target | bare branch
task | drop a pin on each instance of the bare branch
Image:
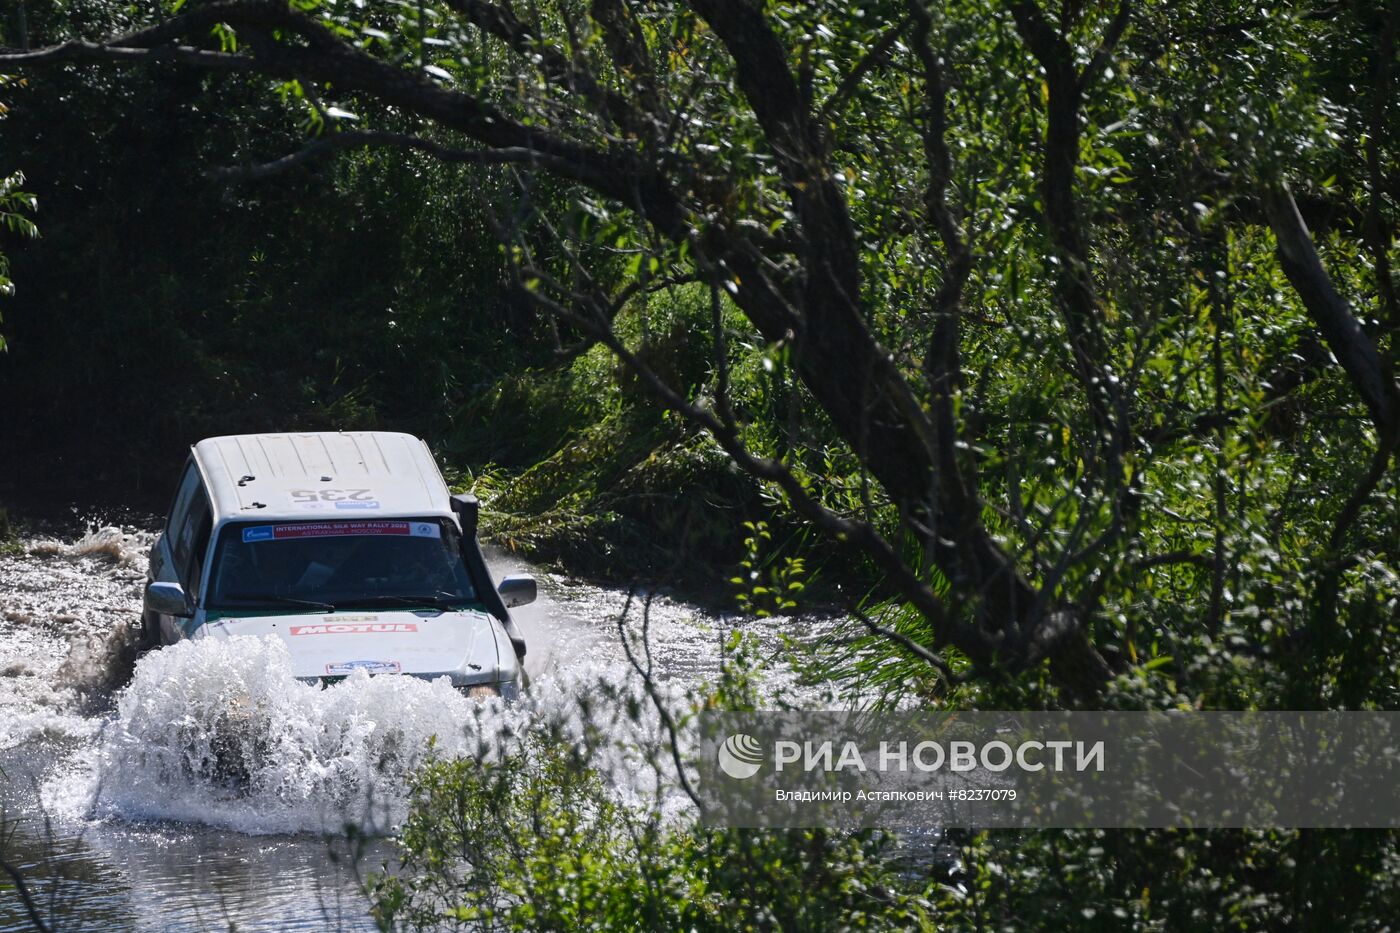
(627, 47)
(761, 68)
(1077, 290)
(1356, 501)
(26, 898)
(649, 684)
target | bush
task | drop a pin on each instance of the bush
(538, 840)
(573, 826)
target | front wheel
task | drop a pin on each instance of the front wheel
(150, 632)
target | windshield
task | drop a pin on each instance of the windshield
(301, 566)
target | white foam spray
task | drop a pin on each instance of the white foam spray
(220, 732)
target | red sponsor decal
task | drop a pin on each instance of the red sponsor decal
(362, 628)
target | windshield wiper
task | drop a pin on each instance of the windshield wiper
(282, 600)
(445, 602)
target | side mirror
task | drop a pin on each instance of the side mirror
(168, 599)
(468, 509)
(518, 589)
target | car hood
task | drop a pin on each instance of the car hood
(468, 646)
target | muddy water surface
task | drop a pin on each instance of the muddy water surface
(121, 809)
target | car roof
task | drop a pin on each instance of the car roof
(321, 476)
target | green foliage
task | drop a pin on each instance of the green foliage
(767, 585)
(537, 841)
(595, 474)
(1242, 880)
(533, 836)
(870, 669)
(15, 204)
(10, 544)
(1208, 557)
(332, 301)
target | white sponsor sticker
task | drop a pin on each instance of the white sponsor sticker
(339, 529)
(374, 667)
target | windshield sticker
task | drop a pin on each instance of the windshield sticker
(359, 629)
(340, 530)
(372, 667)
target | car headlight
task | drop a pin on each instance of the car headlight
(482, 691)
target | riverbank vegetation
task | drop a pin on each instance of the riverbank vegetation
(1058, 339)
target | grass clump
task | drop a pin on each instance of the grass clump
(10, 545)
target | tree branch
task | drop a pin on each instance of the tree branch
(808, 297)
(971, 641)
(1341, 330)
(1077, 291)
(1105, 50)
(118, 53)
(325, 58)
(658, 702)
(26, 898)
(873, 56)
(354, 139)
(908, 644)
(764, 77)
(500, 22)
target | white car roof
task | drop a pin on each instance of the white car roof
(325, 475)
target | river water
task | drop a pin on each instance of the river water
(117, 811)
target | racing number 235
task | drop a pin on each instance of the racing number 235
(332, 495)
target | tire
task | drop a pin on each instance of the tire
(150, 633)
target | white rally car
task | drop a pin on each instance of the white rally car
(348, 547)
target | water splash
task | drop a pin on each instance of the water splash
(110, 543)
(219, 732)
(216, 739)
(67, 616)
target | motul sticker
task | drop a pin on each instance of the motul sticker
(340, 530)
(361, 628)
(373, 667)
